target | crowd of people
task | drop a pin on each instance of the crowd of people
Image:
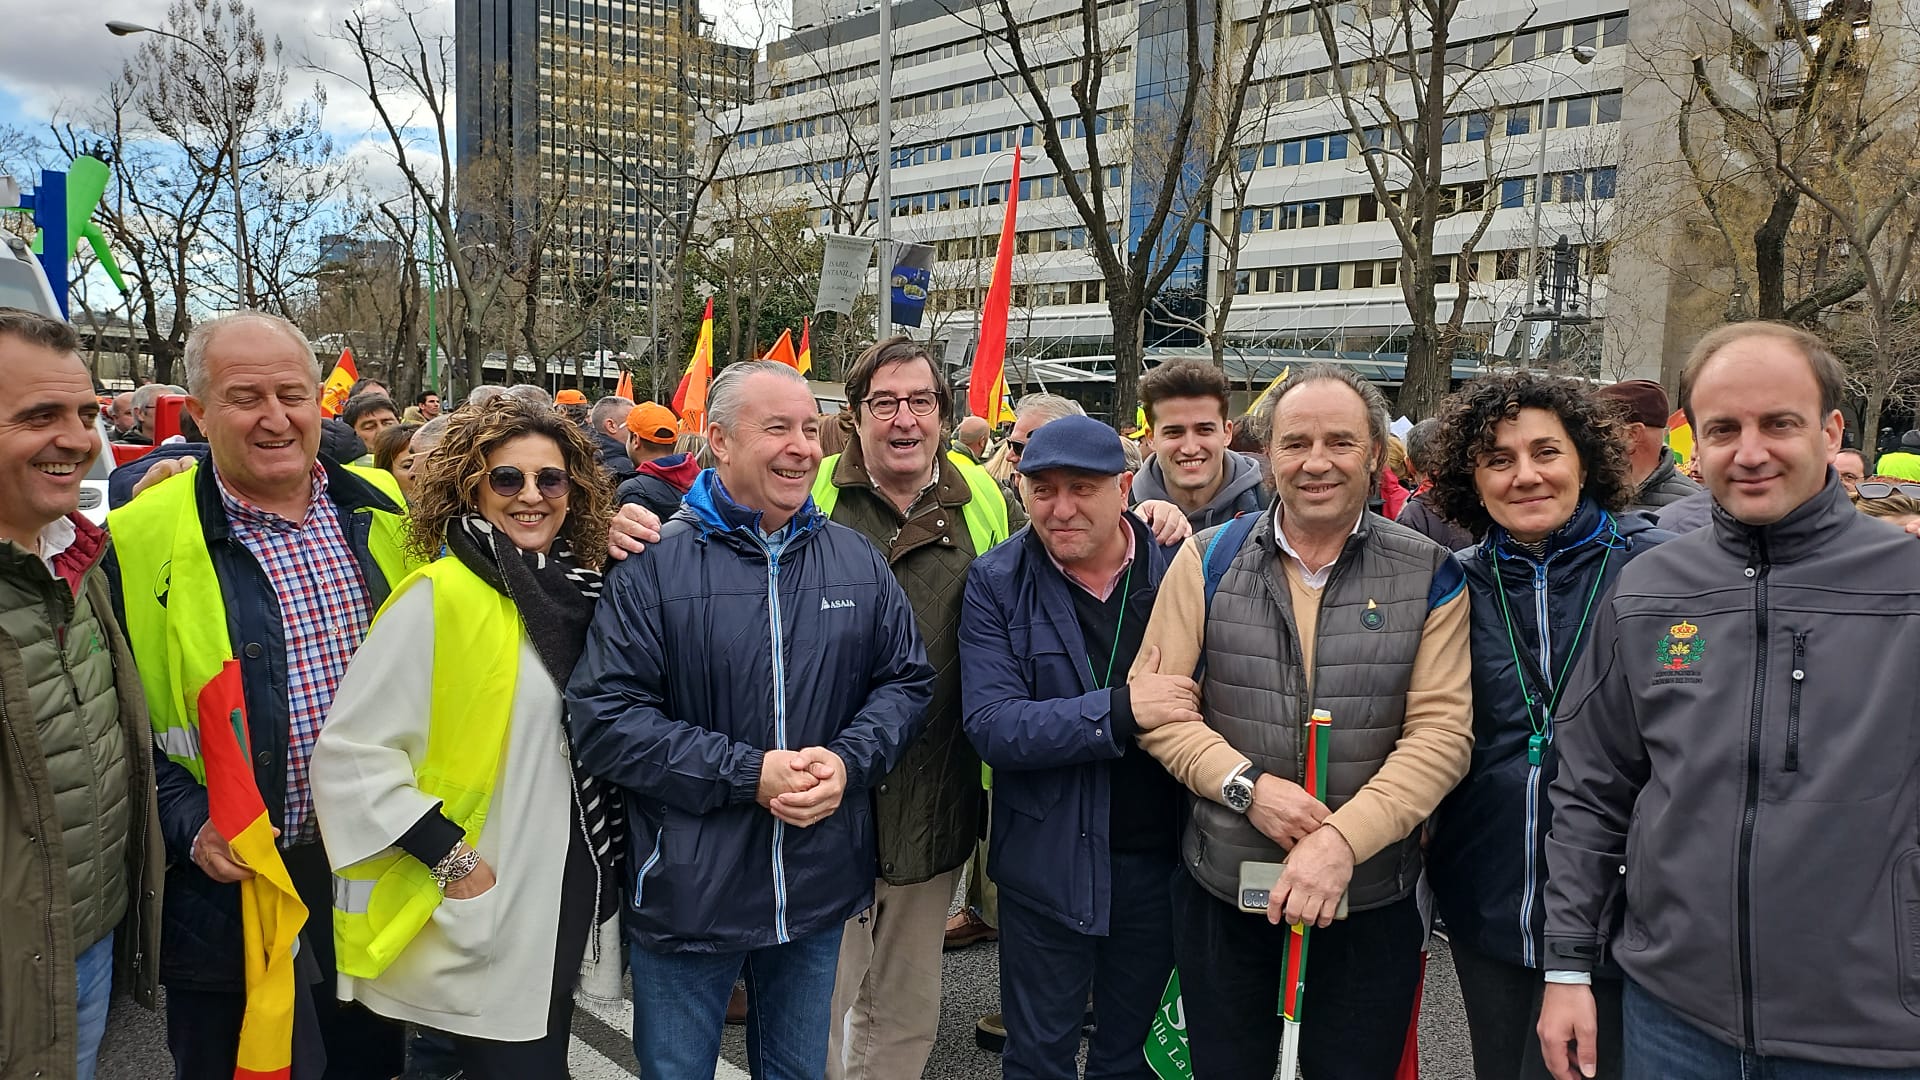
(537, 690)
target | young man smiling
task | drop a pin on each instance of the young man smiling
(1186, 403)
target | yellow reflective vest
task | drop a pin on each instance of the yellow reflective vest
(380, 904)
(176, 615)
(985, 513)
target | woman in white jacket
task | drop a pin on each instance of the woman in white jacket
(475, 863)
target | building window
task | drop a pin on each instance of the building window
(1369, 208)
(1363, 275)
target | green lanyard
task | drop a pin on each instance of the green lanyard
(1539, 722)
(1100, 684)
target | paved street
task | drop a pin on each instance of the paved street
(135, 1047)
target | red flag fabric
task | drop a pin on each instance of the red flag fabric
(624, 388)
(333, 393)
(989, 357)
(690, 400)
(805, 363)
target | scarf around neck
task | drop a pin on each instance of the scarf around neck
(554, 594)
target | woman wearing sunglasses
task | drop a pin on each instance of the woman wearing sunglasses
(1889, 498)
(1541, 470)
(442, 779)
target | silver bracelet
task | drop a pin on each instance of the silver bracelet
(458, 864)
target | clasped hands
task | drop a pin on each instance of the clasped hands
(1319, 859)
(801, 787)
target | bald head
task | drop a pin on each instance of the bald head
(972, 434)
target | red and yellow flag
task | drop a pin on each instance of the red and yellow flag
(805, 362)
(690, 400)
(782, 351)
(271, 913)
(1680, 436)
(333, 393)
(624, 388)
(986, 391)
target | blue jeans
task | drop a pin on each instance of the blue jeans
(1047, 970)
(680, 1007)
(1662, 1045)
(94, 975)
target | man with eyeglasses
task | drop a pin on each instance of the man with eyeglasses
(931, 513)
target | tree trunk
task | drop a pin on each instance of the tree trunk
(1770, 254)
(1129, 353)
(1429, 375)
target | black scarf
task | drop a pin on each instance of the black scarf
(555, 597)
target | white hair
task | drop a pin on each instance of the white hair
(202, 335)
(725, 396)
(1047, 406)
(484, 393)
(530, 394)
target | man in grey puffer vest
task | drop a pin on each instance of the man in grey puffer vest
(79, 832)
(1321, 606)
(1737, 815)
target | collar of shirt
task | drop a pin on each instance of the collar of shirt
(242, 512)
(1314, 579)
(1105, 592)
(57, 537)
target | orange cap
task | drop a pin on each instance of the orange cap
(569, 397)
(654, 423)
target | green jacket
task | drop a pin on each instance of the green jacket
(79, 830)
(928, 811)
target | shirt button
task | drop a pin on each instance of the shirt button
(253, 650)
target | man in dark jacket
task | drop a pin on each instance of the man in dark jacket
(1737, 790)
(607, 423)
(266, 559)
(1085, 833)
(748, 682)
(1657, 478)
(1191, 466)
(79, 835)
(1419, 514)
(661, 477)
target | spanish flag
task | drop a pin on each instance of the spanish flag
(690, 400)
(986, 391)
(271, 913)
(805, 363)
(333, 394)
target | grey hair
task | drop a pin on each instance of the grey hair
(725, 396)
(1420, 444)
(430, 433)
(1047, 406)
(482, 394)
(611, 407)
(144, 397)
(1370, 396)
(202, 335)
(530, 394)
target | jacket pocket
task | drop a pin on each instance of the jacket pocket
(1799, 678)
(467, 930)
(1906, 923)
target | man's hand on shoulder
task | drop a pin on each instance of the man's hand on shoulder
(1160, 699)
(161, 470)
(1164, 520)
(630, 531)
(829, 775)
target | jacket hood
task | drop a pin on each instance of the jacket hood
(680, 470)
(712, 510)
(1242, 476)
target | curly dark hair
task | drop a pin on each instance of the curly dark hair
(1467, 420)
(447, 483)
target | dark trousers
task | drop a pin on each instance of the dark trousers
(203, 1027)
(1663, 1045)
(1362, 973)
(1047, 970)
(1503, 1008)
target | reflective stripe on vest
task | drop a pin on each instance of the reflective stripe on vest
(985, 512)
(381, 904)
(176, 615)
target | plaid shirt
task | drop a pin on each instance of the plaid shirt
(324, 615)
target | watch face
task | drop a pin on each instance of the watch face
(1239, 795)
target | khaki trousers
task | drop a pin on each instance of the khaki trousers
(886, 993)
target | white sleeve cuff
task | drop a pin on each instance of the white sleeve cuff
(1571, 978)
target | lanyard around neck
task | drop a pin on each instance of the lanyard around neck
(1540, 720)
(1118, 630)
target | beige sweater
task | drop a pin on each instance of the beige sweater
(1436, 738)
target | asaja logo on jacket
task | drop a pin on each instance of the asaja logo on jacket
(1679, 652)
(829, 605)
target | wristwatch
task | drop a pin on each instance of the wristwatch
(1237, 792)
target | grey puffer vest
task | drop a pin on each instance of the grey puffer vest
(1372, 615)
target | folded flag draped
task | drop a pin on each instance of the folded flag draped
(271, 913)
(333, 393)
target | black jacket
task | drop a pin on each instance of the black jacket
(613, 457)
(703, 655)
(200, 942)
(1486, 860)
(1420, 516)
(659, 485)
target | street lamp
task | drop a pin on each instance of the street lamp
(1584, 54)
(230, 150)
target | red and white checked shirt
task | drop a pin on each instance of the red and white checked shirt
(324, 615)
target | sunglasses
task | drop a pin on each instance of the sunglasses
(508, 481)
(1874, 489)
(1016, 447)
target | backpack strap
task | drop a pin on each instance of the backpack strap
(1215, 560)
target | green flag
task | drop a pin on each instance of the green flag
(1167, 1041)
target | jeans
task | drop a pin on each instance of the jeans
(1662, 1045)
(1046, 971)
(680, 1006)
(1362, 974)
(94, 971)
(1503, 1009)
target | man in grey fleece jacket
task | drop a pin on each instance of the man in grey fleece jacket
(1737, 815)
(1191, 467)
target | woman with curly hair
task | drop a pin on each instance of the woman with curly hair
(442, 779)
(1541, 469)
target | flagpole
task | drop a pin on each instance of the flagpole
(883, 154)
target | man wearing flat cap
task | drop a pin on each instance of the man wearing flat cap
(1657, 478)
(1085, 823)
